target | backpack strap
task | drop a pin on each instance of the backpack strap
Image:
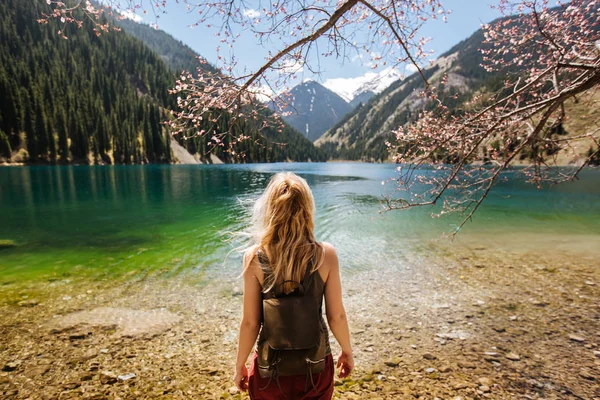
(309, 268)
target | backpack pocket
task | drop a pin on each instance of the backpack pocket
(292, 323)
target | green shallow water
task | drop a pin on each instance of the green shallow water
(109, 222)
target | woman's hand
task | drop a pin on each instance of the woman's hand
(241, 378)
(345, 363)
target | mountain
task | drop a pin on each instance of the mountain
(313, 109)
(101, 99)
(361, 88)
(361, 135)
(181, 57)
(362, 98)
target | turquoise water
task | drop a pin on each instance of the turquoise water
(166, 221)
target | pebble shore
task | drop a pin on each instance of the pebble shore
(470, 323)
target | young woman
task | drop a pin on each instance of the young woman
(284, 259)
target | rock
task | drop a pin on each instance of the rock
(460, 385)
(77, 336)
(126, 377)
(597, 353)
(499, 329)
(11, 366)
(108, 377)
(513, 356)
(590, 283)
(29, 303)
(430, 370)
(485, 381)
(465, 364)
(7, 244)
(71, 385)
(233, 390)
(429, 356)
(37, 371)
(484, 388)
(584, 373)
(576, 338)
(394, 362)
(445, 368)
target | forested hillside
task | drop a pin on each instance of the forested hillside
(278, 146)
(362, 134)
(96, 99)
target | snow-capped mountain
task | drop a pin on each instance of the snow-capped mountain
(314, 109)
(365, 86)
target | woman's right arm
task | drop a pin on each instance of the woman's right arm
(336, 315)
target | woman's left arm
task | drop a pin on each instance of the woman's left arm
(250, 324)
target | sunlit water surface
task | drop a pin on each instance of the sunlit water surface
(110, 222)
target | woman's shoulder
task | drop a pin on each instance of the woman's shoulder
(329, 253)
(329, 260)
(251, 258)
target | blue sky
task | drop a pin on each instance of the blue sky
(467, 16)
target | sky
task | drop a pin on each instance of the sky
(466, 17)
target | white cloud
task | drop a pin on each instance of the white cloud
(290, 67)
(251, 13)
(131, 15)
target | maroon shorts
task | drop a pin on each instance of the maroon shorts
(295, 387)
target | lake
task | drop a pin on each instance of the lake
(107, 222)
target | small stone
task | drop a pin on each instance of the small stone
(430, 370)
(28, 303)
(576, 338)
(11, 366)
(485, 381)
(590, 283)
(37, 371)
(104, 351)
(597, 353)
(465, 364)
(584, 373)
(499, 329)
(126, 377)
(460, 385)
(108, 377)
(429, 356)
(414, 346)
(71, 385)
(77, 336)
(394, 362)
(512, 318)
(445, 368)
(484, 388)
(513, 356)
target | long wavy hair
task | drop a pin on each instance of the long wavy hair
(283, 228)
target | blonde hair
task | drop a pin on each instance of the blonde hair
(283, 225)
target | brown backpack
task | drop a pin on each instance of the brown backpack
(293, 341)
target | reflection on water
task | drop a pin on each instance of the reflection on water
(106, 221)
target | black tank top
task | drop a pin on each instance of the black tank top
(314, 287)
